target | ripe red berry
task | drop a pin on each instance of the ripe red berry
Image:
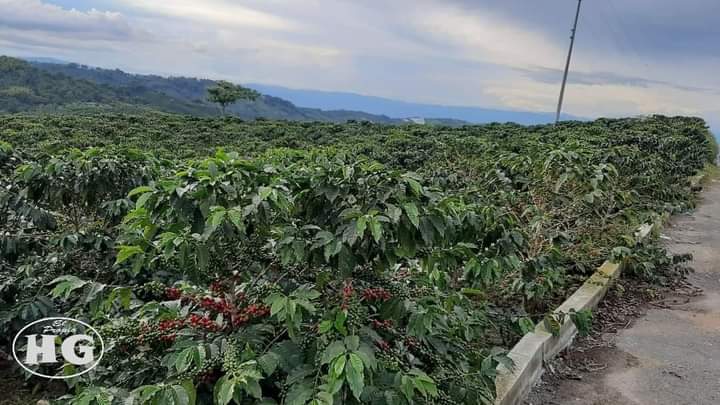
(217, 287)
(348, 290)
(173, 293)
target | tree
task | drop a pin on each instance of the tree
(225, 93)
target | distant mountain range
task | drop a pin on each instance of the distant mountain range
(401, 109)
(44, 83)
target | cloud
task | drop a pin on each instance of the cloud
(553, 76)
(652, 27)
(93, 25)
(630, 58)
(610, 100)
(485, 36)
(215, 12)
(42, 43)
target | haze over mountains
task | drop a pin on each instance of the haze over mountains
(187, 95)
(399, 109)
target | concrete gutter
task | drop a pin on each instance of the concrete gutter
(535, 348)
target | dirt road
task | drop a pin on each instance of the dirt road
(670, 356)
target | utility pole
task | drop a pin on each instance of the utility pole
(567, 63)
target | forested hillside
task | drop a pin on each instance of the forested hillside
(26, 88)
(192, 92)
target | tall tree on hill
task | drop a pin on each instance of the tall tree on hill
(225, 93)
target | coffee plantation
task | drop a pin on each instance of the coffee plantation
(311, 263)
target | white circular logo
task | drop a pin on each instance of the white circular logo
(41, 339)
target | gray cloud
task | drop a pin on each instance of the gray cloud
(491, 53)
(645, 27)
(91, 25)
(553, 76)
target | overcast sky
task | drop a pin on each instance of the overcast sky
(632, 56)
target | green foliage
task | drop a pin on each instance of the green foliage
(225, 93)
(366, 264)
(582, 320)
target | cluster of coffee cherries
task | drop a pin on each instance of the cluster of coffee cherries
(168, 328)
(347, 294)
(151, 290)
(376, 294)
(152, 336)
(383, 345)
(237, 316)
(232, 358)
(388, 360)
(218, 287)
(208, 373)
(382, 324)
(123, 334)
(412, 342)
(173, 293)
(445, 399)
(247, 314)
(220, 306)
(203, 322)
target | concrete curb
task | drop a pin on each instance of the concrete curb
(535, 348)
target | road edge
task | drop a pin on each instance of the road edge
(536, 348)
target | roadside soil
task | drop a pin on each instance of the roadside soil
(15, 391)
(652, 345)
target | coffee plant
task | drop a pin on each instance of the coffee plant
(310, 263)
